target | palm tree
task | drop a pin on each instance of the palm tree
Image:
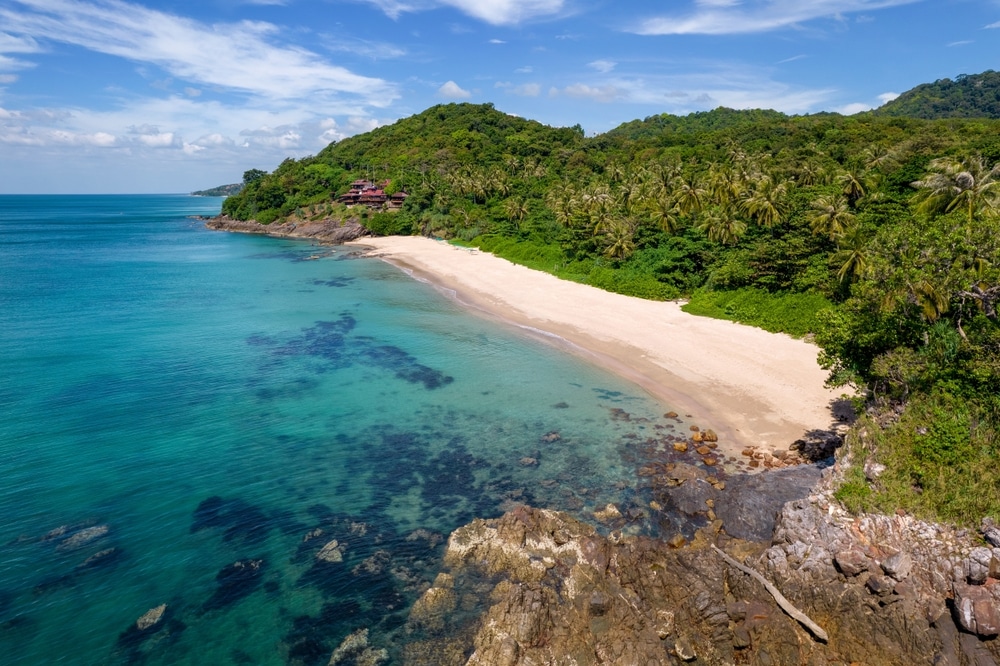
(831, 215)
(665, 212)
(852, 180)
(619, 236)
(516, 209)
(852, 253)
(689, 194)
(721, 225)
(766, 202)
(966, 184)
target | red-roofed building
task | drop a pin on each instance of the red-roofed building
(367, 193)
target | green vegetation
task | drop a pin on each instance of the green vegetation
(968, 96)
(877, 235)
(220, 191)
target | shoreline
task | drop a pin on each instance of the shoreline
(752, 387)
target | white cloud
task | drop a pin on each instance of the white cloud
(723, 17)
(237, 57)
(596, 93)
(602, 66)
(192, 92)
(524, 90)
(494, 12)
(962, 42)
(887, 97)
(7, 78)
(851, 109)
(993, 25)
(524, 70)
(497, 41)
(792, 59)
(452, 90)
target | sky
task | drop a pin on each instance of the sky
(111, 96)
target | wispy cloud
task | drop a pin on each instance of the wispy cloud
(602, 66)
(452, 90)
(523, 90)
(992, 26)
(494, 12)
(237, 57)
(792, 59)
(962, 42)
(606, 93)
(724, 17)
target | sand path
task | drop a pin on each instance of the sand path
(750, 386)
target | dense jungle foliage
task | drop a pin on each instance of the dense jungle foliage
(878, 235)
(968, 96)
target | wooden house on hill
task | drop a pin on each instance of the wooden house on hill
(371, 194)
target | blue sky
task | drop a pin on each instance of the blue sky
(171, 96)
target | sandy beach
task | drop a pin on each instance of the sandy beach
(752, 387)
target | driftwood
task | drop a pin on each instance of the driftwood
(785, 604)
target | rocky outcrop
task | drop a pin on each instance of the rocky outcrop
(886, 590)
(327, 230)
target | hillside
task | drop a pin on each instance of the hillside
(220, 191)
(968, 96)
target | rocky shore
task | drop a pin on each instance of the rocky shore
(326, 230)
(886, 590)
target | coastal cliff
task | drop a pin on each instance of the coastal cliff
(886, 589)
(326, 230)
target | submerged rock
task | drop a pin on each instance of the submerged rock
(83, 537)
(150, 618)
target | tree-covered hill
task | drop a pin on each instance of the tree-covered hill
(968, 96)
(877, 234)
(219, 191)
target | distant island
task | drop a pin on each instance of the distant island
(220, 191)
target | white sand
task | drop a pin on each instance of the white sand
(750, 386)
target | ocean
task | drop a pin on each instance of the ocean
(192, 418)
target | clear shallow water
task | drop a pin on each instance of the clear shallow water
(196, 399)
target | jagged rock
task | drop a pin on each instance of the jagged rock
(898, 566)
(880, 586)
(851, 562)
(624, 599)
(331, 553)
(710, 436)
(977, 609)
(680, 447)
(150, 618)
(991, 532)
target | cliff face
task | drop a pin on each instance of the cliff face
(328, 230)
(558, 592)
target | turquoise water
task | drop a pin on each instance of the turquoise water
(175, 400)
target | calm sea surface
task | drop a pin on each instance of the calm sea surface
(187, 417)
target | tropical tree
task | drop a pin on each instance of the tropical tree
(852, 254)
(766, 202)
(967, 184)
(721, 225)
(831, 216)
(619, 237)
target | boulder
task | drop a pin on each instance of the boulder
(898, 566)
(977, 609)
(851, 562)
(980, 565)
